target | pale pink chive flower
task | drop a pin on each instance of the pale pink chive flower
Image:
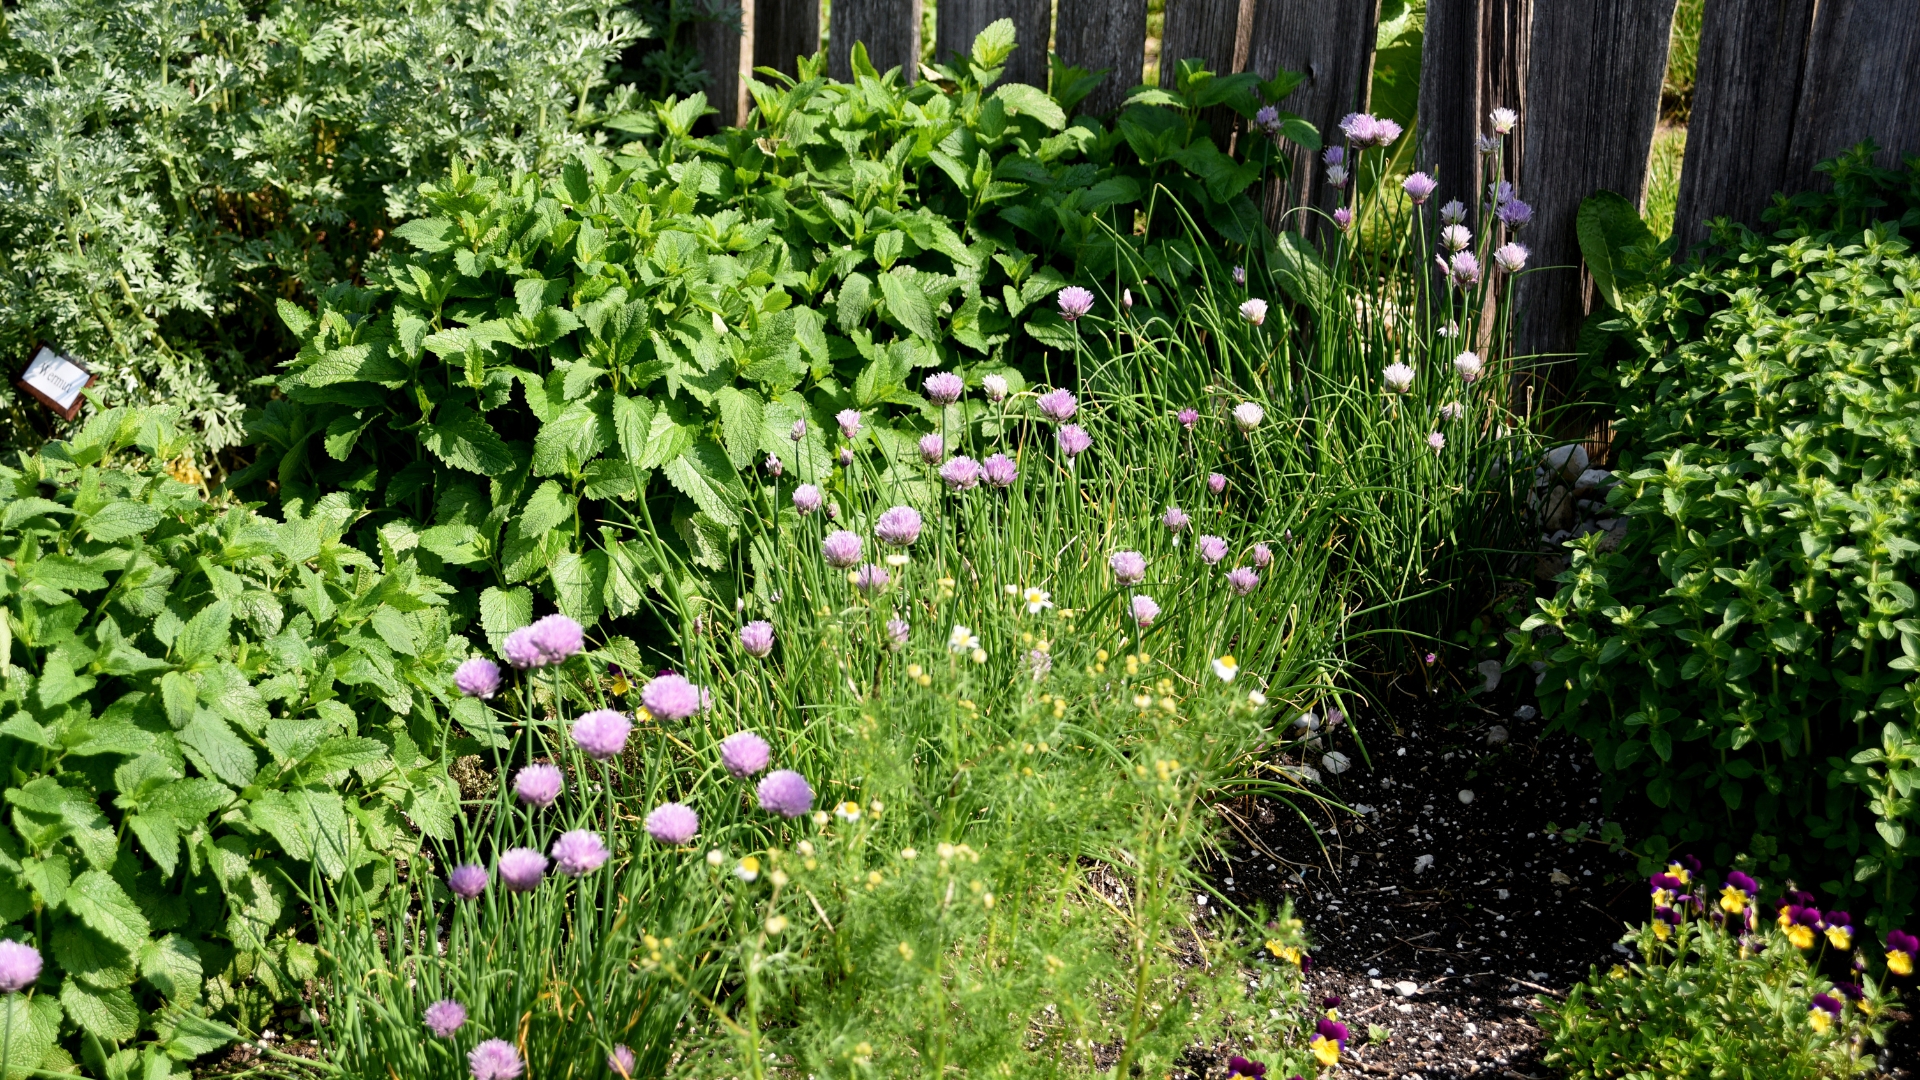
(468, 880)
(1487, 144)
(786, 793)
(495, 1059)
(1333, 155)
(602, 733)
(1212, 549)
(20, 966)
(806, 499)
(1452, 410)
(774, 467)
(1175, 519)
(870, 577)
(960, 474)
(898, 526)
(446, 1016)
(841, 549)
(1073, 440)
(799, 431)
(1503, 120)
(849, 420)
(999, 471)
(579, 852)
(1254, 311)
(672, 697)
(1454, 212)
(897, 631)
(845, 456)
(1144, 610)
(1456, 237)
(1511, 258)
(522, 868)
(1075, 302)
(1500, 192)
(621, 1061)
(1216, 483)
(1342, 219)
(1058, 405)
(1398, 377)
(1419, 187)
(1462, 270)
(943, 388)
(996, 387)
(1385, 132)
(1040, 663)
(1514, 213)
(538, 785)
(672, 824)
(1129, 567)
(1126, 299)
(757, 638)
(1239, 275)
(547, 642)
(1242, 580)
(744, 753)
(1188, 417)
(1469, 365)
(1337, 175)
(1248, 414)
(932, 448)
(1437, 441)
(1358, 128)
(478, 677)
(1267, 117)
(1262, 556)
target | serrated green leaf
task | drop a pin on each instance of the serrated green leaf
(742, 415)
(1023, 100)
(704, 474)
(502, 611)
(547, 507)
(121, 519)
(465, 441)
(97, 900)
(109, 1015)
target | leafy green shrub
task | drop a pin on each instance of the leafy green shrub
(200, 704)
(1747, 654)
(638, 335)
(170, 170)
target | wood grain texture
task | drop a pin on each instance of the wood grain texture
(1473, 60)
(1331, 43)
(720, 45)
(1198, 28)
(784, 30)
(890, 29)
(1589, 122)
(1862, 82)
(1096, 34)
(958, 22)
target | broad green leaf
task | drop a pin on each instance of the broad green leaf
(465, 441)
(632, 421)
(120, 519)
(502, 611)
(579, 580)
(854, 301)
(97, 900)
(547, 507)
(1023, 100)
(704, 475)
(171, 965)
(206, 634)
(578, 435)
(109, 1015)
(193, 1036)
(213, 747)
(909, 306)
(742, 415)
(1607, 224)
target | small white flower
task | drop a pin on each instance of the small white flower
(1456, 237)
(1038, 600)
(1398, 377)
(1248, 415)
(898, 558)
(1226, 667)
(1452, 410)
(1469, 365)
(1254, 311)
(995, 386)
(715, 858)
(1010, 589)
(978, 656)
(1504, 119)
(748, 869)
(848, 812)
(1256, 699)
(962, 639)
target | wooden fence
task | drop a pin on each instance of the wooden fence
(1781, 85)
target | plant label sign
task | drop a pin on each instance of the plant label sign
(56, 380)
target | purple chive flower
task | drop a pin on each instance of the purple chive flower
(1129, 567)
(960, 474)
(1075, 302)
(468, 880)
(1456, 237)
(478, 677)
(774, 468)
(621, 1061)
(1262, 556)
(1073, 440)
(806, 499)
(870, 578)
(757, 638)
(1175, 519)
(495, 1059)
(995, 387)
(898, 526)
(999, 471)
(1436, 441)
(932, 448)
(1187, 417)
(1254, 311)
(1216, 482)
(1239, 275)
(1358, 128)
(1511, 258)
(602, 733)
(579, 852)
(446, 1016)
(1342, 219)
(1431, 658)
(19, 966)
(1144, 610)
(1242, 580)
(798, 432)
(897, 631)
(538, 785)
(547, 642)
(849, 421)
(522, 868)
(841, 549)
(744, 753)
(1058, 405)
(1419, 187)
(1333, 155)
(1514, 213)
(1267, 117)
(1454, 212)
(672, 697)
(1462, 270)
(786, 793)
(845, 457)
(943, 388)
(1212, 549)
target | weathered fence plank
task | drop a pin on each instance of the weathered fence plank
(784, 30)
(1331, 43)
(1473, 60)
(1862, 82)
(1589, 119)
(890, 29)
(958, 22)
(1110, 34)
(720, 45)
(1205, 29)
